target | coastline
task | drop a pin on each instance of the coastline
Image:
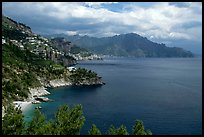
(38, 92)
(23, 105)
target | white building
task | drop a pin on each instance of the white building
(71, 68)
(3, 41)
(21, 47)
(32, 40)
(29, 38)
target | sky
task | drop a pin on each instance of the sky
(173, 23)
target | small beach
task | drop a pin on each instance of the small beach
(39, 91)
(22, 104)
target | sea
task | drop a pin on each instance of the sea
(165, 93)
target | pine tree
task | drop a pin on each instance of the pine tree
(119, 131)
(94, 130)
(13, 123)
(138, 129)
(69, 121)
(35, 126)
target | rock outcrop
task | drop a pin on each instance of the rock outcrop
(38, 91)
(90, 82)
(58, 83)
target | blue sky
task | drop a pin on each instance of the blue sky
(172, 23)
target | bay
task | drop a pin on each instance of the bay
(165, 93)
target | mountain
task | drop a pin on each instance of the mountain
(73, 50)
(22, 36)
(26, 58)
(130, 44)
(32, 61)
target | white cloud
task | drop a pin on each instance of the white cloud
(97, 4)
(159, 21)
(71, 32)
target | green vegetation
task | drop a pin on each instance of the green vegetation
(130, 44)
(67, 121)
(119, 131)
(9, 29)
(75, 50)
(37, 125)
(82, 74)
(12, 123)
(21, 69)
(66, 46)
(138, 129)
(94, 130)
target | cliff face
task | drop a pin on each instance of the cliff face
(38, 91)
(58, 83)
(73, 50)
(90, 82)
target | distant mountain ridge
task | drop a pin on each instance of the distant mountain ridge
(130, 44)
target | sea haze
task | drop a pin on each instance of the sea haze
(165, 93)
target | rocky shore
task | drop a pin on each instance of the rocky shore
(58, 83)
(37, 92)
(92, 82)
(34, 92)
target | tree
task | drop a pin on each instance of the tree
(49, 128)
(35, 126)
(13, 123)
(94, 130)
(119, 131)
(138, 129)
(148, 132)
(69, 121)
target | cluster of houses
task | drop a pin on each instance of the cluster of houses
(37, 40)
(41, 46)
(80, 56)
(71, 68)
(18, 44)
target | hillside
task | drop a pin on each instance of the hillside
(130, 44)
(22, 69)
(30, 61)
(73, 50)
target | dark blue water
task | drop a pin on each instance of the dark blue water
(166, 94)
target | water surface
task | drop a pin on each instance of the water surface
(165, 93)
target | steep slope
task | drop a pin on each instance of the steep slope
(130, 44)
(22, 69)
(30, 60)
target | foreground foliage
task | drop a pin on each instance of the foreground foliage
(94, 130)
(13, 123)
(67, 121)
